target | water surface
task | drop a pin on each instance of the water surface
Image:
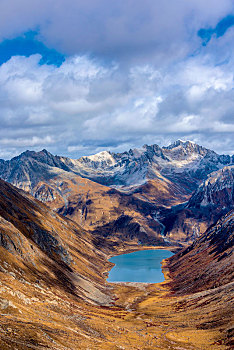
(141, 266)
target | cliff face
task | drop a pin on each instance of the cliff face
(217, 191)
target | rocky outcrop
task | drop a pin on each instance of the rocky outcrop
(216, 192)
(185, 162)
(212, 199)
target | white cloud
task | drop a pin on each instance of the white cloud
(142, 30)
(152, 83)
(87, 106)
(26, 142)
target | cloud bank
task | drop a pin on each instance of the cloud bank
(84, 106)
(124, 29)
(134, 73)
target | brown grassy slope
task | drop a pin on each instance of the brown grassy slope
(44, 241)
(208, 262)
(53, 295)
(93, 205)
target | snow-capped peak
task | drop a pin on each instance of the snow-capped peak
(102, 158)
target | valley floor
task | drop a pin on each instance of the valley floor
(140, 316)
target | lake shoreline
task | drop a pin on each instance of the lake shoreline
(136, 267)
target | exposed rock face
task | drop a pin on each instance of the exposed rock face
(185, 162)
(213, 198)
(45, 193)
(217, 191)
(26, 170)
(208, 262)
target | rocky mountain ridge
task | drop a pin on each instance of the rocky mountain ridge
(136, 166)
(133, 168)
(160, 190)
(216, 190)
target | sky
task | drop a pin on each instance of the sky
(78, 77)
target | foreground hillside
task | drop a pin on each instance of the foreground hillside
(210, 259)
(206, 268)
(53, 294)
(49, 246)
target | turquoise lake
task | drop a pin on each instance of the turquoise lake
(143, 266)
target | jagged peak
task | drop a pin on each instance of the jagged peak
(43, 157)
(182, 143)
(155, 146)
(45, 151)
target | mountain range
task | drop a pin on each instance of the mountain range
(184, 161)
(152, 195)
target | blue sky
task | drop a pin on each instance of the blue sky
(78, 77)
(220, 29)
(27, 45)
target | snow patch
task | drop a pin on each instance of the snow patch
(101, 156)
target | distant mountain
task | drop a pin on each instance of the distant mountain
(185, 162)
(98, 208)
(27, 169)
(217, 191)
(152, 186)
